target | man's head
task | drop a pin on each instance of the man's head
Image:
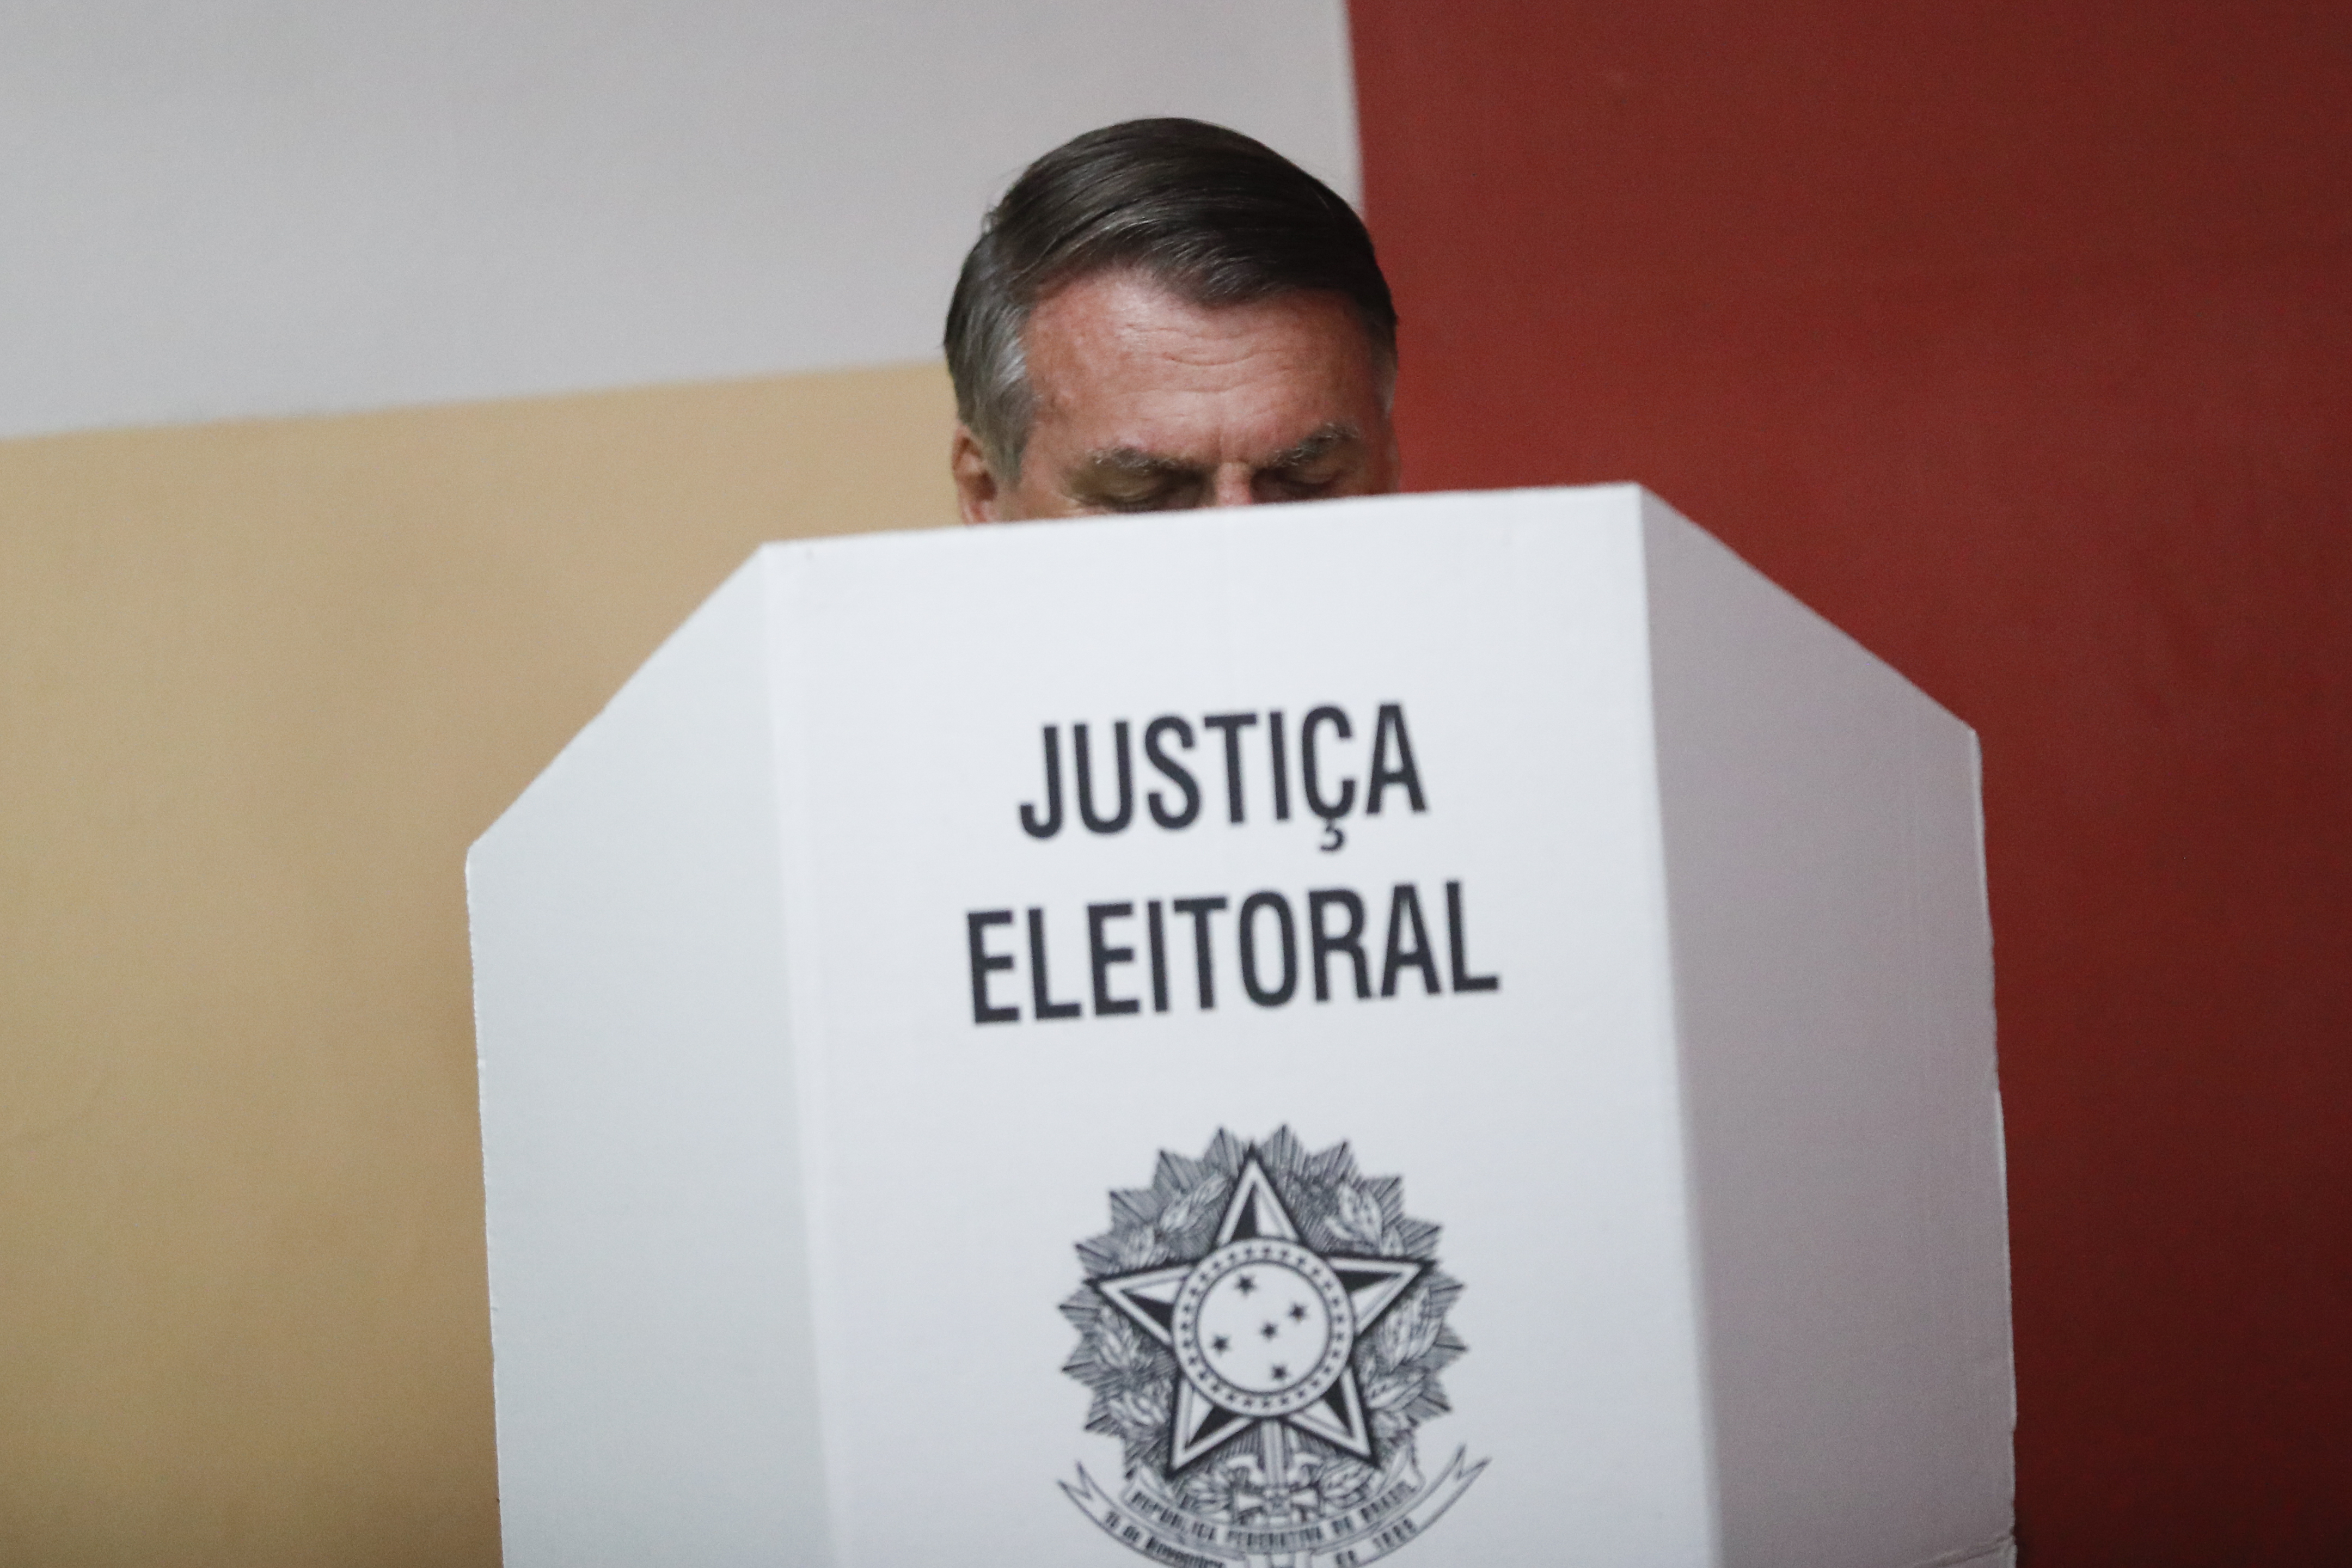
(1165, 314)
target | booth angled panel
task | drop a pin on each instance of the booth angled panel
(647, 1244)
(1833, 1001)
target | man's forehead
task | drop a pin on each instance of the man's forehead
(1128, 373)
(1097, 321)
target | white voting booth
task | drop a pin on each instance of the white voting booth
(1453, 1026)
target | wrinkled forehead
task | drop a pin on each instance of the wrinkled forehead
(1118, 363)
(1133, 291)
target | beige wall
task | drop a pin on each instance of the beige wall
(260, 684)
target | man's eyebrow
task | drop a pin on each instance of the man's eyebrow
(1133, 462)
(1136, 463)
(1313, 447)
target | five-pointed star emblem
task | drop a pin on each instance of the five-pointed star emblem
(1263, 1327)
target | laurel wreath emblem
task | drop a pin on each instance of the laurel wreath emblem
(1133, 1377)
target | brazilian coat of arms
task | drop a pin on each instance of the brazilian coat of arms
(1262, 1331)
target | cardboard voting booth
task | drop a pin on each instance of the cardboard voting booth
(1456, 1027)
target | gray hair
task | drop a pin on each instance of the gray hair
(1214, 216)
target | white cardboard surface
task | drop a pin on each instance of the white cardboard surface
(779, 1232)
(1833, 991)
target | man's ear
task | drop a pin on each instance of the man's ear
(976, 488)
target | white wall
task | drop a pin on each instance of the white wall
(267, 206)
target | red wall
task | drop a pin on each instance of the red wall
(2018, 339)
